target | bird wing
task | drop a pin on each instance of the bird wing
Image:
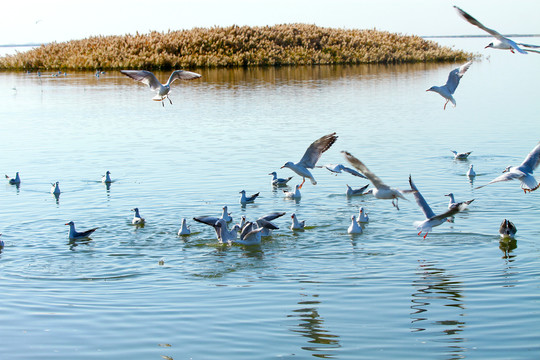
(87, 232)
(504, 177)
(533, 159)
(477, 23)
(272, 216)
(529, 45)
(146, 77)
(208, 220)
(315, 150)
(353, 172)
(266, 224)
(421, 201)
(455, 75)
(182, 75)
(364, 170)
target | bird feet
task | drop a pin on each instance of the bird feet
(302, 184)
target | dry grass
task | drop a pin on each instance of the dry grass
(234, 46)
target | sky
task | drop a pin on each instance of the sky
(38, 21)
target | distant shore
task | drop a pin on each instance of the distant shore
(233, 46)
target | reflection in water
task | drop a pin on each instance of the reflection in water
(507, 245)
(311, 326)
(435, 288)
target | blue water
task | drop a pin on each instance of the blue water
(144, 293)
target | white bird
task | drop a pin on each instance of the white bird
(162, 90)
(252, 232)
(293, 194)
(137, 219)
(381, 190)
(448, 89)
(106, 178)
(297, 225)
(14, 181)
(460, 156)
(507, 230)
(452, 201)
(433, 220)
(310, 158)
(354, 228)
(279, 181)
(55, 189)
(338, 168)
(225, 215)
(184, 229)
(74, 235)
(362, 216)
(500, 41)
(247, 199)
(523, 172)
(223, 234)
(471, 172)
(354, 192)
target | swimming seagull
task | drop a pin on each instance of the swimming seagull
(523, 172)
(252, 232)
(162, 90)
(293, 194)
(354, 228)
(106, 178)
(223, 234)
(451, 85)
(433, 220)
(74, 234)
(266, 222)
(14, 181)
(381, 190)
(225, 215)
(297, 225)
(471, 172)
(184, 229)
(460, 156)
(247, 199)
(55, 189)
(362, 216)
(507, 230)
(500, 41)
(310, 158)
(452, 201)
(337, 168)
(354, 192)
(137, 219)
(279, 181)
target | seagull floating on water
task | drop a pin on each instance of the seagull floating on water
(310, 158)
(137, 219)
(162, 90)
(433, 220)
(223, 234)
(452, 201)
(448, 89)
(507, 230)
(523, 172)
(354, 228)
(338, 168)
(184, 229)
(106, 178)
(279, 181)
(500, 41)
(471, 172)
(297, 225)
(362, 216)
(355, 192)
(74, 234)
(381, 190)
(14, 181)
(247, 199)
(293, 194)
(460, 156)
(225, 215)
(55, 189)
(252, 232)
(266, 222)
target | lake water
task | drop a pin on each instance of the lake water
(145, 293)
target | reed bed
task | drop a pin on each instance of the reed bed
(233, 46)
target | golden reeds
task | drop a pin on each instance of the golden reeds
(233, 46)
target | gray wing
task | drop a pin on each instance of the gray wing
(248, 227)
(266, 224)
(455, 75)
(146, 77)
(87, 232)
(421, 201)
(315, 150)
(182, 75)
(453, 210)
(364, 170)
(353, 172)
(272, 216)
(533, 159)
(208, 220)
(504, 177)
(477, 23)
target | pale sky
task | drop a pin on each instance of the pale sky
(39, 21)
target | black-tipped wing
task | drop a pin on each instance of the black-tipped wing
(272, 216)
(421, 201)
(182, 75)
(364, 170)
(477, 23)
(315, 150)
(86, 233)
(208, 220)
(453, 210)
(146, 77)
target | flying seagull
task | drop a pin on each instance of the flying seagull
(448, 89)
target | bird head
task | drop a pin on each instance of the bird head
(69, 223)
(287, 164)
(490, 45)
(507, 169)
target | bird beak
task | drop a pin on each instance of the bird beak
(282, 167)
(66, 224)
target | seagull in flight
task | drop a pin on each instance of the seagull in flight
(500, 41)
(448, 89)
(338, 168)
(310, 158)
(162, 90)
(523, 172)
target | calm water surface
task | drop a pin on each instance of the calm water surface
(144, 293)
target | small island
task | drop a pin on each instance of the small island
(233, 46)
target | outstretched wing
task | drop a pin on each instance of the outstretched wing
(364, 170)
(533, 159)
(208, 220)
(315, 150)
(504, 177)
(182, 75)
(455, 75)
(477, 23)
(272, 216)
(453, 210)
(353, 172)
(146, 77)
(421, 201)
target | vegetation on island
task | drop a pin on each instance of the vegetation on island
(233, 46)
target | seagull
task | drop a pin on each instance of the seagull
(500, 41)
(184, 229)
(451, 85)
(362, 216)
(354, 228)
(252, 232)
(265, 222)
(293, 194)
(310, 158)
(279, 181)
(354, 192)
(452, 201)
(433, 220)
(381, 190)
(297, 225)
(162, 90)
(137, 219)
(55, 189)
(523, 172)
(226, 215)
(247, 200)
(74, 235)
(106, 178)
(337, 168)
(14, 181)
(223, 234)
(460, 156)
(507, 230)
(470, 172)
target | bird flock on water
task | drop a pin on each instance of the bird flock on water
(251, 232)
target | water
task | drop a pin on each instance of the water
(144, 293)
